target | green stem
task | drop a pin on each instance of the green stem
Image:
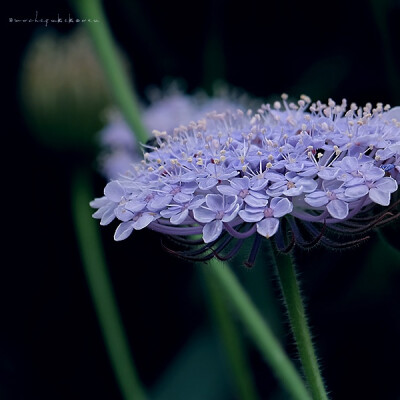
(101, 290)
(259, 331)
(298, 322)
(110, 60)
(231, 341)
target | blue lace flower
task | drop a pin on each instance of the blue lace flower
(299, 172)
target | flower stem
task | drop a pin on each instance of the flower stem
(259, 331)
(231, 340)
(100, 287)
(119, 84)
(298, 322)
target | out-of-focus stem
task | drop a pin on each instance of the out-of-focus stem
(100, 287)
(231, 340)
(115, 74)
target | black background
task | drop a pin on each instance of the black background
(50, 343)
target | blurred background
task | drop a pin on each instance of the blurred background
(51, 346)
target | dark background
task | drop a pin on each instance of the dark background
(50, 343)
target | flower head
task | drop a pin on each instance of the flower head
(235, 174)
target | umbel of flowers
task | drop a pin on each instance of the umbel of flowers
(311, 168)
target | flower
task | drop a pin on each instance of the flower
(235, 174)
(166, 111)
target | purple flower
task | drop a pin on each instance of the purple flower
(178, 213)
(218, 209)
(291, 184)
(267, 218)
(246, 189)
(335, 201)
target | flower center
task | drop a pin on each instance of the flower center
(331, 195)
(175, 190)
(149, 197)
(268, 212)
(290, 185)
(219, 215)
(243, 193)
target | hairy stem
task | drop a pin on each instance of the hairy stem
(259, 331)
(110, 60)
(101, 290)
(298, 323)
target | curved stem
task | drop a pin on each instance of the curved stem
(101, 290)
(298, 322)
(119, 84)
(259, 331)
(231, 340)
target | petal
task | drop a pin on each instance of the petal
(295, 191)
(227, 190)
(123, 214)
(114, 191)
(182, 197)
(268, 227)
(356, 191)
(189, 188)
(171, 211)
(203, 215)
(274, 177)
(295, 167)
(108, 216)
(254, 200)
(281, 207)
(189, 177)
(384, 154)
(393, 113)
(316, 199)
(338, 209)
(99, 202)
(309, 185)
(240, 183)
(230, 203)
(328, 173)
(177, 219)
(212, 231)
(373, 174)
(379, 196)
(206, 183)
(143, 221)
(215, 202)
(387, 184)
(100, 212)
(135, 205)
(228, 174)
(309, 171)
(159, 202)
(281, 185)
(123, 231)
(229, 216)
(258, 183)
(349, 164)
(251, 217)
(196, 202)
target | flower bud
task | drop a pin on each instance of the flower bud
(63, 90)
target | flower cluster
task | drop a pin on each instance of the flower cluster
(236, 173)
(167, 110)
